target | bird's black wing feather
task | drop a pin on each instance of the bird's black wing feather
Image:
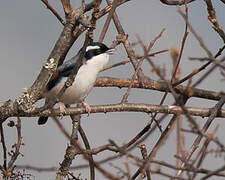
(63, 70)
(66, 68)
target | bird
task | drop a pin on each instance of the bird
(95, 58)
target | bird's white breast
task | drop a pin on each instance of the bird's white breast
(84, 80)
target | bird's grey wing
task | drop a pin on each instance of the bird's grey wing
(63, 70)
(66, 68)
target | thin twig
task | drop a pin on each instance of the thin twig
(204, 76)
(196, 71)
(87, 146)
(215, 140)
(107, 22)
(122, 37)
(180, 134)
(97, 165)
(54, 12)
(3, 147)
(155, 148)
(202, 153)
(213, 172)
(148, 49)
(182, 47)
(203, 130)
(213, 19)
(17, 146)
(128, 60)
(200, 40)
(144, 155)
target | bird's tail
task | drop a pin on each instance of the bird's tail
(42, 120)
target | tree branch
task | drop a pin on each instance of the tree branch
(54, 12)
(66, 6)
(130, 107)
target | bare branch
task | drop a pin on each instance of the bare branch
(200, 40)
(202, 153)
(66, 6)
(54, 11)
(122, 37)
(213, 19)
(17, 146)
(107, 22)
(213, 172)
(87, 146)
(159, 86)
(204, 129)
(139, 65)
(144, 155)
(132, 107)
(3, 147)
(175, 3)
(128, 60)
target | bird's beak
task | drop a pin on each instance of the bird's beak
(110, 51)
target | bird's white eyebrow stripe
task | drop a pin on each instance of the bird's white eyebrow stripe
(92, 47)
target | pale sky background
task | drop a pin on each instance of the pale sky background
(27, 35)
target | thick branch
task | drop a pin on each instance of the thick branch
(158, 86)
(130, 107)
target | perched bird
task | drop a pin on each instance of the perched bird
(95, 58)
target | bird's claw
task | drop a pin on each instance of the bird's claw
(87, 108)
(62, 109)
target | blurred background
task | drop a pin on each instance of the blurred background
(27, 35)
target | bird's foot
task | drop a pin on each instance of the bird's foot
(61, 109)
(87, 107)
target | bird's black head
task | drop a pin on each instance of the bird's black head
(94, 49)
